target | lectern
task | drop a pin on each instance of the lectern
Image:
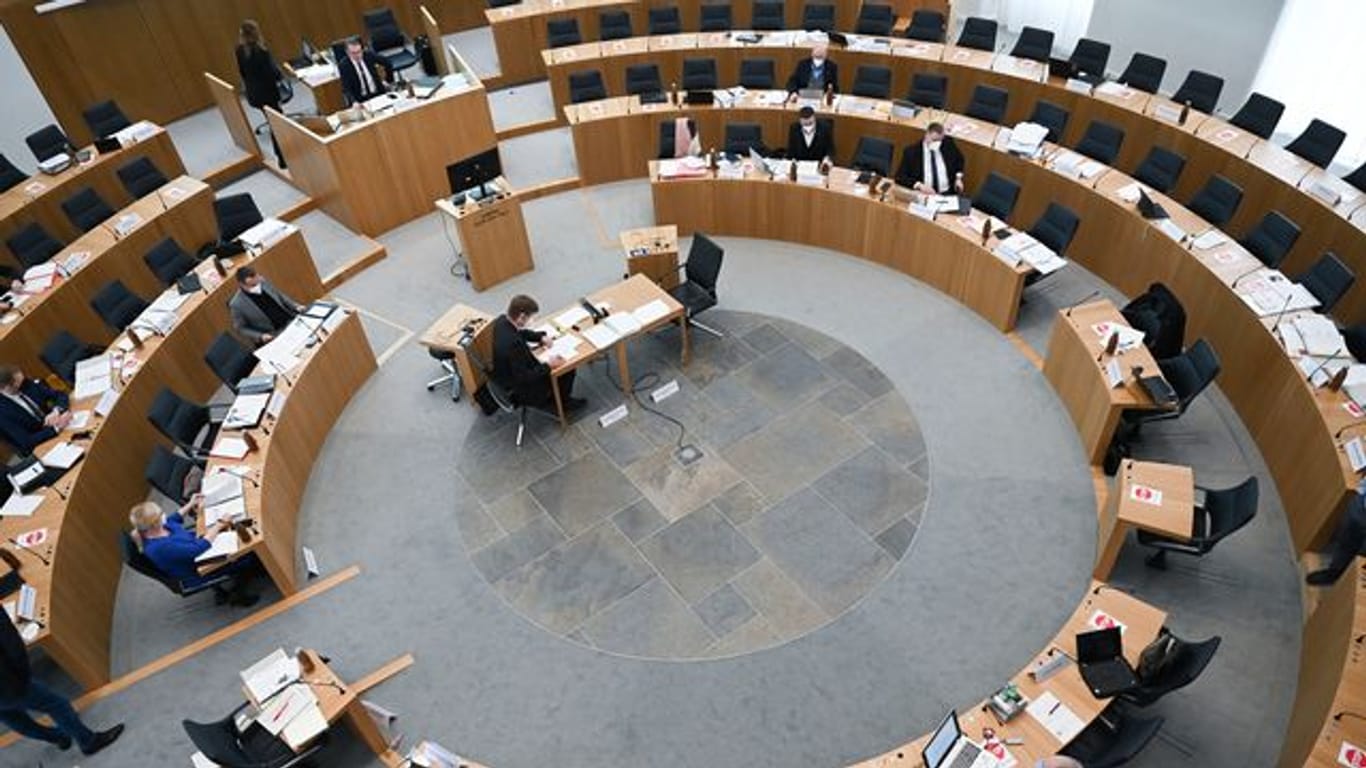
(493, 234)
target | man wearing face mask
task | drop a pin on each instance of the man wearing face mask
(815, 73)
(933, 166)
(809, 138)
(259, 309)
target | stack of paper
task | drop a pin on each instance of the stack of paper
(79, 420)
(317, 73)
(223, 544)
(1210, 239)
(1129, 338)
(1112, 88)
(283, 350)
(430, 755)
(1015, 245)
(1129, 193)
(1319, 335)
(1069, 162)
(1168, 112)
(1026, 138)
(1055, 717)
(565, 347)
(229, 448)
(623, 323)
(601, 336)
(265, 234)
(1170, 229)
(686, 167)
(270, 675)
(18, 505)
(73, 263)
(220, 487)
(246, 411)
(126, 223)
(1043, 259)
(63, 455)
(94, 376)
(287, 705)
(649, 313)
(809, 173)
(40, 278)
(570, 318)
(136, 132)
(942, 203)
(1271, 293)
(233, 510)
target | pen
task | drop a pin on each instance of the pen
(1054, 709)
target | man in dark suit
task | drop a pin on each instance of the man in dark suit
(31, 412)
(260, 310)
(516, 367)
(360, 73)
(809, 138)
(20, 694)
(934, 165)
(815, 73)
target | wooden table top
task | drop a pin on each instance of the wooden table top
(1157, 497)
(1083, 322)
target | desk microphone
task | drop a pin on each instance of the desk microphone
(1324, 364)
(1068, 312)
(1344, 713)
(1275, 323)
(1252, 271)
(1345, 427)
(33, 552)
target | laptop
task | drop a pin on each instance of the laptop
(810, 94)
(1062, 68)
(1100, 659)
(1148, 208)
(947, 748)
(838, 38)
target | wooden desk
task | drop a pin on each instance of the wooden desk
(653, 252)
(326, 90)
(445, 334)
(1159, 498)
(493, 236)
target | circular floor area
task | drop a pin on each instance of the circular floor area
(809, 487)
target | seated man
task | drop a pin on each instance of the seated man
(815, 73)
(259, 309)
(31, 412)
(934, 165)
(360, 73)
(172, 546)
(517, 369)
(809, 139)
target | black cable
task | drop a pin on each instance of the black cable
(459, 257)
(646, 381)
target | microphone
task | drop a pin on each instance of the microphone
(1252, 271)
(1336, 355)
(1338, 717)
(1344, 428)
(1284, 307)
(1068, 312)
(33, 552)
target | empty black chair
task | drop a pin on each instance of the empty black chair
(229, 360)
(875, 19)
(1160, 169)
(1271, 239)
(768, 15)
(235, 214)
(1056, 228)
(388, 41)
(1100, 746)
(742, 137)
(716, 18)
(10, 175)
(1160, 316)
(167, 472)
(1217, 201)
(1329, 279)
(168, 261)
(697, 292)
(872, 82)
(116, 305)
(997, 196)
(1188, 373)
(988, 104)
(1201, 90)
(758, 74)
(1034, 43)
(929, 90)
(978, 33)
(562, 32)
(1356, 178)
(61, 353)
(818, 17)
(1224, 512)
(48, 141)
(586, 86)
(614, 25)
(1052, 117)
(137, 561)
(253, 748)
(1101, 142)
(873, 155)
(926, 25)
(32, 245)
(188, 425)
(86, 209)
(141, 177)
(1144, 73)
(1319, 143)
(665, 21)
(105, 119)
(643, 78)
(1090, 57)
(1180, 667)
(1259, 116)
(699, 74)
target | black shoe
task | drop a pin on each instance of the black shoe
(244, 599)
(575, 403)
(1321, 578)
(104, 739)
(64, 743)
(220, 596)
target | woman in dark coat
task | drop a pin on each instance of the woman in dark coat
(260, 75)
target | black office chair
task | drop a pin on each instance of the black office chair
(1144, 73)
(1271, 239)
(1100, 746)
(141, 177)
(1259, 116)
(758, 74)
(235, 214)
(388, 41)
(167, 473)
(699, 75)
(872, 82)
(61, 353)
(105, 119)
(1181, 667)
(1201, 90)
(86, 209)
(139, 562)
(1328, 279)
(873, 155)
(1319, 143)
(642, 79)
(1356, 178)
(1224, 512)
(740, 138)
(48, 141)
(1355, 338)
(615, 25)
(875, 19)
(665, 21)
(117, 306)
(1101, 142)
(32, 245)
(716, 18)
(1160, 169)
(1217, 201)
(190, 426)
(1056, 228)
(978, 33)
(586, 86)
(667, 131)
(10, 175)
(697, 292)
(1034, 44)
(168, 261)
(562, 32)
(253, 748)
(988, 104)
(768, 15)
(1159, 314)
(450, 374)
(926, 25)
(1090, 57)
(997, 196)
(929, 90)
(1052, 117)
(818, 17)
(229, 360)
(1188, 373)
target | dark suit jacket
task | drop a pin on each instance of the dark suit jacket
(350, 81)
(514, 365)
(801, 76)
(259, 76)
(822, 144)
(15, 674)
(17, 425)
(912, 168)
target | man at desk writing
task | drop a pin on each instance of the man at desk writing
(516, 368)
(360, 73)
(809, 138)
(815, 73)
(260, 310)
(934, 165)
(31, 412)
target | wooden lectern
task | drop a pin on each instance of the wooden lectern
(493, 235)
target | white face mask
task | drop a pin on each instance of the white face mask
(254, 290)
(933, 146)
(818, 61)
(809, 127)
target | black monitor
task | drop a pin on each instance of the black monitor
(474, 171)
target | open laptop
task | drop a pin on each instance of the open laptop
(947, 748)
(1148, 208)
(1100, 659)
(1063, 68)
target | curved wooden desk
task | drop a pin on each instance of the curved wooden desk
(183, 209)
(87, 509)
(1329, 708)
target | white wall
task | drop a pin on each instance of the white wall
(24, 108)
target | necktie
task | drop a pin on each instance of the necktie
(934, 169)
(32, 406)
(367, 85)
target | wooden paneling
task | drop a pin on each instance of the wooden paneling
(230, 107)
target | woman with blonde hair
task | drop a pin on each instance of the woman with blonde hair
(260, 75)
(172, 546)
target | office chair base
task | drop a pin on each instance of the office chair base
(450, 378)
(521, 426)
(706, 329)
(1157, 560)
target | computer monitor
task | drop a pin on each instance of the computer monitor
(475, 171)
(943, 741)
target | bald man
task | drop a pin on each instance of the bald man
(815, 72)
